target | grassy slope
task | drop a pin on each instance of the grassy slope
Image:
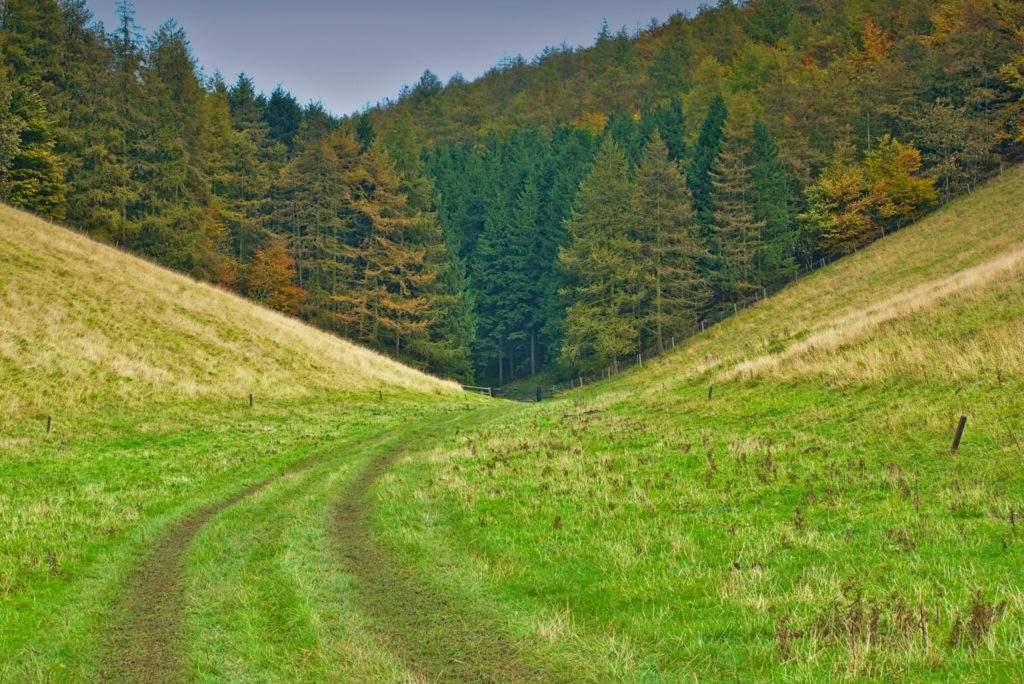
(147, 374)
(808, 522)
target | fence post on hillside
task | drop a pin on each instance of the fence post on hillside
(250, 399)
(710, 390)
(49, 419)
(959, 434)
(490, 392)
(639, 359)
(540, 393)
(702, 326)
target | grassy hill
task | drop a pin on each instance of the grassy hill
(146, 375)
(87, 325)
(808, 522)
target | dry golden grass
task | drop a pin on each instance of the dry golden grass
(86, 326)
(873, 315)
(824, 350)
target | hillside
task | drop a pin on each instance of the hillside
(808, 521)
(801, 129)
(126, 419)
(88, 327)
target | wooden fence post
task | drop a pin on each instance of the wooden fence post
(48, 421)
(250, 399)
(959, 434)
(710, 390)
(540, 393)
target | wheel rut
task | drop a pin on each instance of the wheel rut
(437, 636)
(144, 646)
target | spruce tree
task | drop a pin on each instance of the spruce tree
(9, 134)
(671, 124)
(702, 166)
(35, 176)
(387, 304)
(670, 249)
(311, 198)
(283, 116)
(738, 230)
(773, 207)
(605, 273)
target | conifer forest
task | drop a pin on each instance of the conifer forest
(551, 217)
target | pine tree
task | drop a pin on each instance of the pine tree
(671, 124)
(665, 223)
(524, 281)
(10, 139)
(131, 142)
(605, 273)
(492, 267)
(35, 177)
(311, 196)
(773, 207)
(387, 303)
(738, 230)
(705, 156)
(284, 117)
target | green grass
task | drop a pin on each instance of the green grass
(806, 524)
(81, 505)
(146, 375)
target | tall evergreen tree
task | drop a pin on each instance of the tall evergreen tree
(702, 166)
(311, 198)
(773, 207)
(669, 246)
(34, 178)
(605, 274)
(387, 305)
(671, 124)
(284, 116)
(738, 230)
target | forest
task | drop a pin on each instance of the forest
(553, 216)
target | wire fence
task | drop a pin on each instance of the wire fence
(540, 392)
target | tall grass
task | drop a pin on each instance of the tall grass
(85, 325)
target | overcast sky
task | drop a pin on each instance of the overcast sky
(347, 54)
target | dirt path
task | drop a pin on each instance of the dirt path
(434, 634)
(437, 636)
(145, 646)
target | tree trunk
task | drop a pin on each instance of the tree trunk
(533, 354)
(501, 369)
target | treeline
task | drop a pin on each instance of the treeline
(125, 138)
(554, 215)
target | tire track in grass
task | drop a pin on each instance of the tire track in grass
(437, 635)
(145, 645)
